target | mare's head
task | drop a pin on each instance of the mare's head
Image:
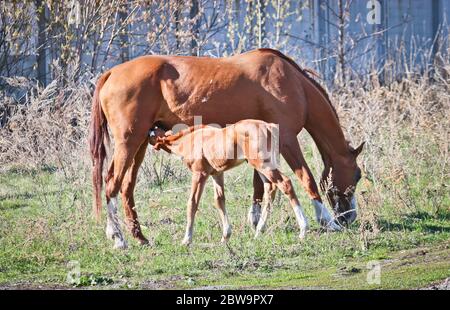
(339, 183)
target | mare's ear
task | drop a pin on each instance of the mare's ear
(359, 149)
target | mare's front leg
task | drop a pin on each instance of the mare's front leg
(219, 199)
(290, 149)
(284, 184)
(197, 185)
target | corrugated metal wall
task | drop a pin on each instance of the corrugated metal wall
(407, 26)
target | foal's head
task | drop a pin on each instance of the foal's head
(157, 138)
(339, 183)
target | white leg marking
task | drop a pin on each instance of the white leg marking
(187, 240)
(324, 217)
(226, 228)
(261, 227)
(109, 229)
(301, 220)
(267, 206)
(113, 230)
(254, 214)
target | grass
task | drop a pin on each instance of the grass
(46, 226)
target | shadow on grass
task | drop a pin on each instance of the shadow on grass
(25, 196)
(419, 221)
(31, 171)
(12, 206)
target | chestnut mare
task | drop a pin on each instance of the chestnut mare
(210, 151)
(262, 84)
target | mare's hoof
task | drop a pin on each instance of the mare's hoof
(333, 226)
(120, 244)
(144, 242)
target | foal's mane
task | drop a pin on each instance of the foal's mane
(305, 72)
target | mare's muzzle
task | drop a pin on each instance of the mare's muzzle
(345, 218)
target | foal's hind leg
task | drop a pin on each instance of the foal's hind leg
(284, 184)
(270, 190)
(127, 190)
(290, 149)
(219, 197)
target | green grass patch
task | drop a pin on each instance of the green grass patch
(46, 228)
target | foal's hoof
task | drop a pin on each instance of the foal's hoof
(257, 234)
(186, 242)
(302, 235)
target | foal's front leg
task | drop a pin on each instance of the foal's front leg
(197, 185)
(219, 197)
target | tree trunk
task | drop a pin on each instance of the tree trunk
(123, 36)
(195, 28)
(341, 41)
(42, 65)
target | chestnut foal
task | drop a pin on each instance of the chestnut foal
(208, 150)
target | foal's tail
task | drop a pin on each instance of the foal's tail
(98, 136)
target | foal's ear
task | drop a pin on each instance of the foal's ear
(359, 149)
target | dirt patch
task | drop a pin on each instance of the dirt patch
(444, 285)
(32, 286)
(161, 284)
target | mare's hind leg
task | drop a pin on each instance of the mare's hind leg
(219, 198)
(197, 185)
(127, 190)
(254, 212)
(124, 154)
(290, 149)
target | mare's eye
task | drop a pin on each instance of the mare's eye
(358, 175)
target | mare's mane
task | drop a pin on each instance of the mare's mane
(305, 72)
